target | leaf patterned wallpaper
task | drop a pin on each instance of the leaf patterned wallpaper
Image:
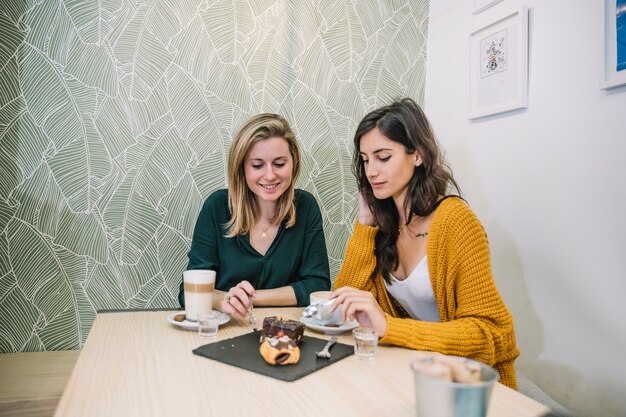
(115, 121)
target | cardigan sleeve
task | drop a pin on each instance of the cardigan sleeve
(359, 262)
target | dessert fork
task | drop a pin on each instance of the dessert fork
(252, 320)
(325, 353)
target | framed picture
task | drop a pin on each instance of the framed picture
(479, 6)
(614, 24)
(499, 65)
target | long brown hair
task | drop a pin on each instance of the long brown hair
(242, 202)
(403, 122)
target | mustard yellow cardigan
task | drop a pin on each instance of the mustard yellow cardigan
(475, 323)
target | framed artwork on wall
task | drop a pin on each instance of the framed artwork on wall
(479, 6)
(499, 65)
(614, 24)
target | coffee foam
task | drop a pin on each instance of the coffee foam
(199, 276)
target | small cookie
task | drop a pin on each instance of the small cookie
(180, 317)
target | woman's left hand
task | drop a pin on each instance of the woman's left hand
(360, 306)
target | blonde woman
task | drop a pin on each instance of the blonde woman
(262, 236)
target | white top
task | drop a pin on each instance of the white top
(415, 293)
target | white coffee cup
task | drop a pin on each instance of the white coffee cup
(323, 316)
(199, 285)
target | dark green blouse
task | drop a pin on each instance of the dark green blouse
(296, 257)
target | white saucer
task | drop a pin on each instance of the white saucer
(192, 325)
(312, 324)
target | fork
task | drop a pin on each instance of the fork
(252, 320)
(325, 353)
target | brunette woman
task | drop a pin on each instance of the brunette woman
(417, 268)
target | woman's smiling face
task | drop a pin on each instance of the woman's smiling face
(269, 168)
(387, 165)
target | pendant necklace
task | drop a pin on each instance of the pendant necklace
(264, 232)
(269, 225)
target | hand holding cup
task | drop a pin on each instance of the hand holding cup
(322, 303)
(361, 306)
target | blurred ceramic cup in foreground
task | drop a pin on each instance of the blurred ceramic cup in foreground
(323, 316)
(199, 285)
(451, 386)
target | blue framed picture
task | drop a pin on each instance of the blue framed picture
(614, 71)
(620, 34)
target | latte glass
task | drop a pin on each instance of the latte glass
(199, 285)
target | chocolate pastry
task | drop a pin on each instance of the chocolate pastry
(280, 339)
(279, 351)
(274, 326)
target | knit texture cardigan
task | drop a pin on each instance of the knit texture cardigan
(475, 323)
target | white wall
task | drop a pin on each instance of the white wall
(548, 185)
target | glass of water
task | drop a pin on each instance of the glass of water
(365, 341)
(208, 323)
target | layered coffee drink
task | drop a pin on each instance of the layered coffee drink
(198, 285)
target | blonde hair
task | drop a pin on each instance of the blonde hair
(242, 202)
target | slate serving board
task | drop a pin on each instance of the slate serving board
(243, 352)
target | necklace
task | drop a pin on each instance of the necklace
(411, 233)
(264, 231)
(424, 234)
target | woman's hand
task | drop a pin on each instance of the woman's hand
(365, 215)
(238, 300)
(360, 306)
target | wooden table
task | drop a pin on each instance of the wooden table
(31, 383)
(137, 364)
